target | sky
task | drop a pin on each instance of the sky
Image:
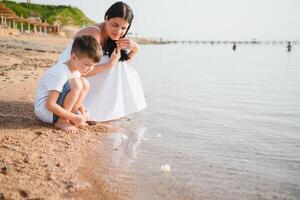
(203, 19)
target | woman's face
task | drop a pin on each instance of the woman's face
(116, 27)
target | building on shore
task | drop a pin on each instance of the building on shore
(33, 24)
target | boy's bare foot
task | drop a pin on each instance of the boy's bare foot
(66, 126)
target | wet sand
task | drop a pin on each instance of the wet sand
(37, 161)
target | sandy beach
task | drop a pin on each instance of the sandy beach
(37, 161)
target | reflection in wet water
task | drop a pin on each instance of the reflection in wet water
(107, 170)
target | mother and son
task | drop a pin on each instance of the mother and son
(92, 79)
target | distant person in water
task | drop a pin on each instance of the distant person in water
(234, 47)
(289, 47)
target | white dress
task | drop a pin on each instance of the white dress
(113, 93)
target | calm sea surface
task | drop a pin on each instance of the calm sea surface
(227, 123)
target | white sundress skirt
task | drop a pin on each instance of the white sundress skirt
(113, 93)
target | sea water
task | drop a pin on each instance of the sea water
(226, 124)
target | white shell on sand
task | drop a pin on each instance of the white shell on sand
(165, 168)
(124, 137)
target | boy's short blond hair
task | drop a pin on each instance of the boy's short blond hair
(88, 46)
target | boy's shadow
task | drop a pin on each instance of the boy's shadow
(17, 114)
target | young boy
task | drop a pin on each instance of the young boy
(62, 90)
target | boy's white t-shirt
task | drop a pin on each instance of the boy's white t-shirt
(53, 79)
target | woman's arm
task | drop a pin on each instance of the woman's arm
(98, 68)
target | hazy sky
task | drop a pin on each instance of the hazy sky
(203, 19)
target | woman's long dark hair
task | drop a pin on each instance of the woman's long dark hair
(122, 10)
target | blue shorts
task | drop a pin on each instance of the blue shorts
(61, 98)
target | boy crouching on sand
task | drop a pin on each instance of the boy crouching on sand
(62, 90)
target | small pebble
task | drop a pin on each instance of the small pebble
(26, 160)
(2, 197)
(4, 170)
(38, 133)
(23, 193)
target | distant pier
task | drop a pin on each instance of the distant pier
(215, 42)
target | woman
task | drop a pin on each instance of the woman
(115, 87)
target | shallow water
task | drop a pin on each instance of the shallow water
(226, 122)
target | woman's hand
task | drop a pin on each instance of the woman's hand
(115, 56)
(127, 44)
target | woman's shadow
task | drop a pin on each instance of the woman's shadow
(17, 114)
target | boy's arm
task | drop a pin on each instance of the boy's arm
(53, 107)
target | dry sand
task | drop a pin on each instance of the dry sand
(37, 161)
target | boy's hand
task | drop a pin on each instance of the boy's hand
(84, 112)
(78, 120)
(86, 115)
(115, 56)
